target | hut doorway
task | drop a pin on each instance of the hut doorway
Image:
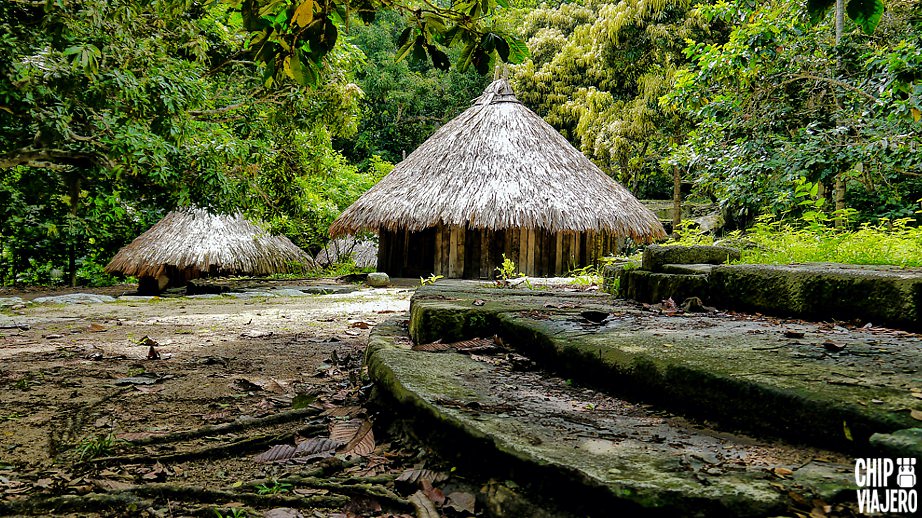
(406, 254)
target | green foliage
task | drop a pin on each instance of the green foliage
(506, 272)
(95, 446)
(590, 275)
(295, 39)
(888, 242)
(429, 281)
(273, 488)
(597, 72)
(233, 512)
(811, 237)
(779, 100)
(404, 102)
(114, 113)
(865, 13)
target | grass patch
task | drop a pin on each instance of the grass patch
(896, 242)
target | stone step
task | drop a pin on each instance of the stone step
(592, 453)
(815, 383)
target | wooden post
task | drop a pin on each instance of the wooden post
(522, 253)
(530, 260)
(558, 253)
(437, 263)
(452, 252)
(383, 243)
(486, 236)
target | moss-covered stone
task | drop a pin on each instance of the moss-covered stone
(906, 443)
(743, 372)
(688, 269)
(881, 295)
(646, 286)
(619, 456)
(655, 256)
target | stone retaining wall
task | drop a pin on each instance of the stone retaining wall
(882, 295)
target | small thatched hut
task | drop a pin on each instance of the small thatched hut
(190, 243)
(496, 180)
(362, 252)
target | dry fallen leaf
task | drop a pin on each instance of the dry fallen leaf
(283, 512)
(255, 333)
(916, 414)
(356, 434)
(279, 452)
(475, 344)
(462, 502)
(424, 507)
(782, 472)
(433, 493)
(832, 346)
(412, 476)
(316, 445)
(146, 340)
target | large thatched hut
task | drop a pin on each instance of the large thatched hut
(190, 243)
(496, 180)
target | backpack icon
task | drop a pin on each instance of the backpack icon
(906, 473)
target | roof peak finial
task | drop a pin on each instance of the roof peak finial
(498, 91)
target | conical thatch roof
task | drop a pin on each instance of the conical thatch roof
(193, 240)
(363, 252)
(498, 165)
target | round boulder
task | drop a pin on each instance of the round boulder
(378, 280)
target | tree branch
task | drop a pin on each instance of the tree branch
(57, 159)
(834, 82)
(216, 111)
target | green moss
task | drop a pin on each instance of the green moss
(725, 374)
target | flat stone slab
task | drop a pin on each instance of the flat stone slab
(647, 286)
(11, 301)
(820, 383)
(249, 294)
(590, 449)
(688, 269)
(655, 256)
(74, 298)
(289, 292)
(330, 289)
(885, 295)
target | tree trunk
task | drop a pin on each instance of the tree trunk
(840, 202)
(676, 200)
(840, 182)
(72, 251)
(840, 20)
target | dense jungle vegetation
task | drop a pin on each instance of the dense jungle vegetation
(112, 113)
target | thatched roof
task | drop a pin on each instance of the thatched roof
(498, 165)
(363, 252)
(193, 240)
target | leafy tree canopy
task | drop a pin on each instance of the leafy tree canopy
(779, 101)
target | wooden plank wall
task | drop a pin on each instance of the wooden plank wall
(471, 253)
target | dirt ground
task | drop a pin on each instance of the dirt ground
(160, 408)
